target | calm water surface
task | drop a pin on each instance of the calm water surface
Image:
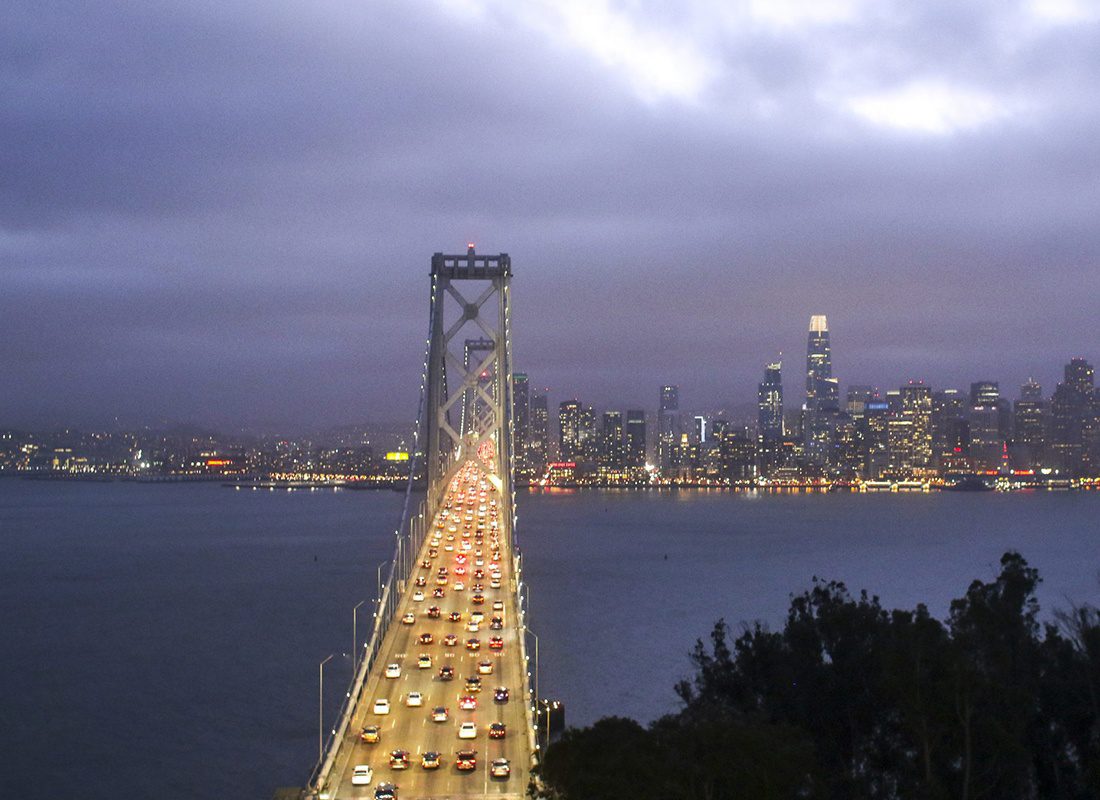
(164, 640)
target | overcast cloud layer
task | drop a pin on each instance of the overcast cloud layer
(224, 212)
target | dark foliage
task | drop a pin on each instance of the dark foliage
(850, 700)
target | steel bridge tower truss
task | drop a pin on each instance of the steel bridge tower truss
(469, 393)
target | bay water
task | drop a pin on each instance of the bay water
(164, 640)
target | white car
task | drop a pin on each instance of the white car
(498, 605)
(362, 775)
(418, 596)
(381, 706)
(472, 626)
(409, 618)
(477, 616)
(459, 586)
(494, 583)
(414, 699)
(467, 730)
(393, 670)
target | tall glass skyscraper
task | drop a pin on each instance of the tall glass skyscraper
(570, 444)
(538, 439)
(635, 437)
(668, 425)
(521, 422)
(822, 391)
(769, 417)
(819, 358)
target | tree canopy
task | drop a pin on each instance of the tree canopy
(850, 700)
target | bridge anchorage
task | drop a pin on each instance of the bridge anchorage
(443, 703)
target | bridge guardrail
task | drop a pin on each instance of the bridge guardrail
(405, 549)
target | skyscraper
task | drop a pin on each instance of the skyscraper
(950, 431)
(1029, 426)
(538, 441)
(668, 426)
(1079, 375)
(569, 431)
(587, 436)
(521, 422)
(819, 358)
(916, 407)
(699, 429)
(1074, 422)
(635, 437)
(769, 418)
(822, 392)
(986, 438)
(612, 444)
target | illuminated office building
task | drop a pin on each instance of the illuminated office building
(769, 418)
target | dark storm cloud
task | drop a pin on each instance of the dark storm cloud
(225, 211)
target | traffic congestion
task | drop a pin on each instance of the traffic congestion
(444, 712)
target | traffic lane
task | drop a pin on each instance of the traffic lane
(442, 737)
(412, 724)
(403, 724)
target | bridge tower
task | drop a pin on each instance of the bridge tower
(465, 429)
(469, 392)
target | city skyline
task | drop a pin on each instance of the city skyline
(741, 406)
(224, 213)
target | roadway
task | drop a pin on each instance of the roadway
(412, 728)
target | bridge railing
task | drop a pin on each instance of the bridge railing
(523, 601)
(406, 547)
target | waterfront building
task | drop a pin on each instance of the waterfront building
(635, 437)
(1074, 443)
(822, 392)
(769, 418)
(986, 427)
(1029, 427)
(538, 440)
(916, 407)
(569, 427)
(849, 453)
(950, 432)
(521, 423)
(875, 437)
(737, 455)
(668, 427)
(612, 441)
(588, 436)
(561, 473)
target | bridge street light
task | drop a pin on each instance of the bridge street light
(355, 635)
(321, 707)
(536, 638)
(380, 577)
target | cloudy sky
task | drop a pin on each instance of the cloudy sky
(224, 212)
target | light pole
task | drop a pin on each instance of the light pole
(400, 556)
(355, 635)
(380, 578)
(524, 592)
(536, 638)
(321, 707)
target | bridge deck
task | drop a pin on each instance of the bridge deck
(412, 728)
